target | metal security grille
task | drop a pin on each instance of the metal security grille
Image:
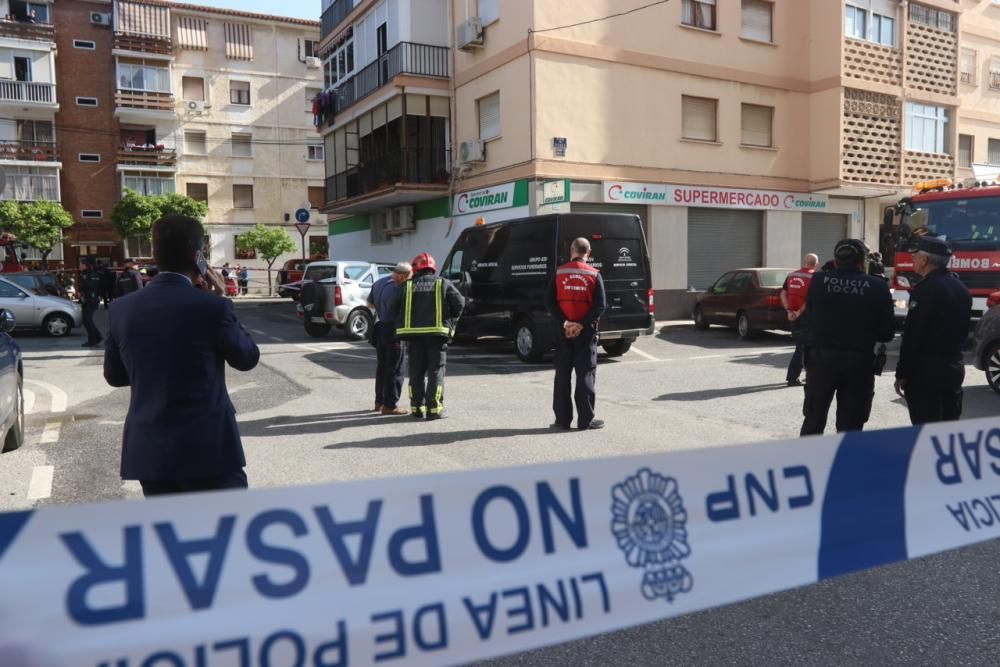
(820, 233)
(721, 240)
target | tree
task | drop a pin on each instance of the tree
(268, 242)
(134, 214)
(41, 224)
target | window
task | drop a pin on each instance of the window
(993, 152)
(698, 118)
(8, 291)
(239, 92)
(89, 157)
(489, 117)
(339, 65)
(197, 191)
(35, 131)
(319, 247)
(926, 128)
(193, 88)
(242, 254)
(22, 68)
(757, 124)
(311, 94)
(23, 11)
(699, 14)
(932, 18)
(147, 184)
(967, 66)
(965, 155)
(856, 22)
(317, 196)
(310, 48)
(86, 101)
(143, 77)
(242, 196)
(994, 73)
(242, 145)
(84, 44)
(873, 21)
(315, 152)
(91, 213)
(195, 143)
(883, 30)
(139, 247)
(757, 22)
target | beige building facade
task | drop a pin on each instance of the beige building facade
(741, 132)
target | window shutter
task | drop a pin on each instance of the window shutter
(698, 118)
(489, 117)
(194, 88)
(757, 122)
(239, 41)
(757, 20)
(195, 143)
(192, 33)
(968, 66)
(965, 150)
(993, 152)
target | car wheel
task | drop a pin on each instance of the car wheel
(15, 436)
(699, 319)
(991, 362)
(57, 325)
(617, 348)
(317, 329)
(527, 343)
(359, 324)
(743, 327)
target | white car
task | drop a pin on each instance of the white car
(347, 284)
(53, 315)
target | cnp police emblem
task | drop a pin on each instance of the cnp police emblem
(649, 524)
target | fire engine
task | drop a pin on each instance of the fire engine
(11, 261)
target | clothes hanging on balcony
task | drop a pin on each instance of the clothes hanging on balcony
(323, 108)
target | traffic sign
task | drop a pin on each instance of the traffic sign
(303, 227)
(302, 215)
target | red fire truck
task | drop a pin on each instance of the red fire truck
(967, 215)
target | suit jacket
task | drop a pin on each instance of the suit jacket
(170, 343)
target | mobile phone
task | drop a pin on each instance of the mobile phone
(201, 263)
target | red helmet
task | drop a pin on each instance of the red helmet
(424, 261)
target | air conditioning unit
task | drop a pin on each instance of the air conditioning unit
(100, 18)
(469, 35)
(402, 220)
(382, 220)
(196, 106)
(470, 152)
(313, 63)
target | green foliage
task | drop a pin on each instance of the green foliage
(38, 224)
(268, 242)
(175, 204)
(10, 215)
(134, 214)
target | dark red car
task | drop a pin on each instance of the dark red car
(745, 299)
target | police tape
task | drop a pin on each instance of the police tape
(455, 567)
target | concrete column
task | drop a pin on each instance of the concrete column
(668, 247)
(782, 238)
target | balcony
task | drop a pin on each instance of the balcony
(138, 43)
(401, 176)
(28, 92)
(31, 187)
(333, 16)
(147, 156)
(42, 32)
(138, 105)
(28, 151)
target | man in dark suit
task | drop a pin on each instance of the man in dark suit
(170, 342)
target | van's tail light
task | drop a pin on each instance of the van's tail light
(328, 316)
(774, 301)
(338, 297)
(649, 294)
(993, 299)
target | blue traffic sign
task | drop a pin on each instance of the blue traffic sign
(302, 215)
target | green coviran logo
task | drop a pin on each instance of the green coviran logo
(465, 202)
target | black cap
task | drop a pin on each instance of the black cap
(850, 250)
(934, 246)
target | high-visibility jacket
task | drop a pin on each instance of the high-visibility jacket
(429, 306)
(575, 284)
(798, 287)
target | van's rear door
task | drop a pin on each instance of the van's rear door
(618, 248)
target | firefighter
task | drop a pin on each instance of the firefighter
(793, 298)
(576, 300)
(90, 299)
(426, 311)
(930, 370)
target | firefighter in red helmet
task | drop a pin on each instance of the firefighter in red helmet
(427, 309)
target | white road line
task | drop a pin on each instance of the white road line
(248, 385)
(647, 355)
(259, 332)
(51, 433)
(280, 340)
(111, 423)
(705, 356)
(59, 398)
(29, 401)
(40, 486)
(132, 486)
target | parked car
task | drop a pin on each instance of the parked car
(40, 282)
(504, 270)
(54, 315)
(291, 272)
(746, 299)
(342, 300)
(986, 356)
(11, 386)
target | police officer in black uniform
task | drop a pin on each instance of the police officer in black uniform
(930, 370)
(91, 289)
(849, 312)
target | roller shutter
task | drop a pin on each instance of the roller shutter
(820, 233)
(722, 240)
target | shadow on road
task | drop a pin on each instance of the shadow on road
(980, 402)
(725, 392)
(719, 338)
(311, 424)
(441, 438)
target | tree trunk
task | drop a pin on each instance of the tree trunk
(270, 285)
(45, 258)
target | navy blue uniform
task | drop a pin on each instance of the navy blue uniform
(90, 298)
(848, 313)
(930, 358)
(389, 351)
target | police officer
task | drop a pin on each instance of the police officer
(930, 370)
(576, 300)
(90, 299)
(426, 311)
(793, 298)
(848, 313)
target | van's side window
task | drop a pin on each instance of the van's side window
(453, 269)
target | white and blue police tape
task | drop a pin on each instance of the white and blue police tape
(449, 568)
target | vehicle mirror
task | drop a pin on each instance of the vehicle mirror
(7, 321)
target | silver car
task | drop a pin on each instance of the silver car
(53, 315)
(987, 354)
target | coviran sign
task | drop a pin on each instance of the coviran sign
(659, 194)
(487, 199)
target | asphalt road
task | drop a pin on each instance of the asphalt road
(305, 416)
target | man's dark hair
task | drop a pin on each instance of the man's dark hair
(176, 238)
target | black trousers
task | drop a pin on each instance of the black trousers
(230, 480)
(389, 373)
(93, 335)
(580, 355)
(428, 356)
(935, 395)
(846, 375)
(795, 364)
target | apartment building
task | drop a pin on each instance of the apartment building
(979, 89)
(742, 133)
(29, 160)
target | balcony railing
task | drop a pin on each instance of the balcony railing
(404, 58)
(143, 156)
(409, 166)
(44, 32)
(28, 150)
(149, 101)
(144, 43)
(333, 16)
(31, 187)
(995, 80)
(27, 91)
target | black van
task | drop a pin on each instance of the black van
(504, 269)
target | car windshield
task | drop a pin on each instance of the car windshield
(321, 272)
(965, 223)
(772, 278)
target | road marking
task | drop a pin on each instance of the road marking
(59, 398)
(248, 385)
(111, 423)
(706, 356)
(29, 401)
(51, 433)
(40, 486)
(644, 354)
(280, 340)
(132, 486)
(326, 347)
(259, 332)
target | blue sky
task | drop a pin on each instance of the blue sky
(300, 9)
